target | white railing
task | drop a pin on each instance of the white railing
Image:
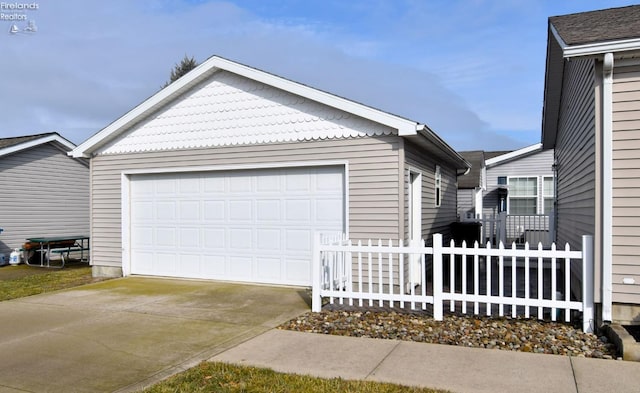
(518, 228)
(493, 281)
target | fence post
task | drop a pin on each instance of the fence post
(437, 277)
(316, 274)
(587, 284)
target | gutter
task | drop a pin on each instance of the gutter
(607, 187)
(463, 166)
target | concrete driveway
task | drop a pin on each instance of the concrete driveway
(124, 334)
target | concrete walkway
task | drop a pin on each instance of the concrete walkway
(121, 335)
(430, 365)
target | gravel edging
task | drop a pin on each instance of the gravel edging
(511, 334)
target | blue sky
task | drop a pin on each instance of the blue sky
(470, 69)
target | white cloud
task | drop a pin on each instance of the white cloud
(91, 61)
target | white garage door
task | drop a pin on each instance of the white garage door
(249, 225)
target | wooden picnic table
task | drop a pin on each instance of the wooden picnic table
(58, 245)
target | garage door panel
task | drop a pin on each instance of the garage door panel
(214, 238)
(142, 235)
(249, 225)
(165, 237)
(165, 210)
(268, 210)
(189, 211)
(214, 211)
(240, 210)
(189, 238)
(268, 239)
(298, 210)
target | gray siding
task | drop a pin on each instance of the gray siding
(465, 202)
(44, 193)
(434, 219)
(533, 165)
(373, 182)
(626, 183)
(575, 154)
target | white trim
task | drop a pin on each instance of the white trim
(125, 193)
(125, 214)
(35, 142)
(514, 154)
(213, 64)
(607, 186)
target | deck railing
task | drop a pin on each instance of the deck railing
(516, 280)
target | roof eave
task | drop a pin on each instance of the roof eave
(55, 138)
(525, 151)
(404, 126)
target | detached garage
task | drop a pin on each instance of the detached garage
(229, 172)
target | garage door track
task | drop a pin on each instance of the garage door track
(124, 334)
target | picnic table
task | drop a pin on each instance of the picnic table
(62, 245)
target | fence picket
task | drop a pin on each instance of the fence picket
(334, 274)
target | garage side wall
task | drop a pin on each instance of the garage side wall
(434, 219)
(373, 194)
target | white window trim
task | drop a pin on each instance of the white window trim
(540, 195)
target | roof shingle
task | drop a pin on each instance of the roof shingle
(612, 24)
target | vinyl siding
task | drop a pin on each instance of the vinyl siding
(533, 165)
(465, 202)
(626, 183)
(44, 193)
(434, 219)
(373, 182)
(575, 154)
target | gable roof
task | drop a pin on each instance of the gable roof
(613, 24)
(513, 155)
(16, 144)
(214, 64)
(585, 34)
(472, 178)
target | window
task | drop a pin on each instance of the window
(523, 195)
(438, 184)
(548, 193)
(502, 180)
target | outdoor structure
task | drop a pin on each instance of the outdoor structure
(591, 118)
(229, 172)
(471, 186)
(44, 191)
(516, 187)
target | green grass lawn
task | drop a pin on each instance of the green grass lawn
(223, 378)
(22, 280)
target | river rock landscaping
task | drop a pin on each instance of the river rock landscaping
(511, 334)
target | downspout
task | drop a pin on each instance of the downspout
(607, 187)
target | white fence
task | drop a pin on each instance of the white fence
(484, 280)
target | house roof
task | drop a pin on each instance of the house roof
(16, 144)
(513, 155)
(405, 127)
(472, 178)
(612, 24)
(585, 34)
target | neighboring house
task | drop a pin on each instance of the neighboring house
(518, 183)
(591, 118)
(471, 186)
(228, 172)
(44, 192)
